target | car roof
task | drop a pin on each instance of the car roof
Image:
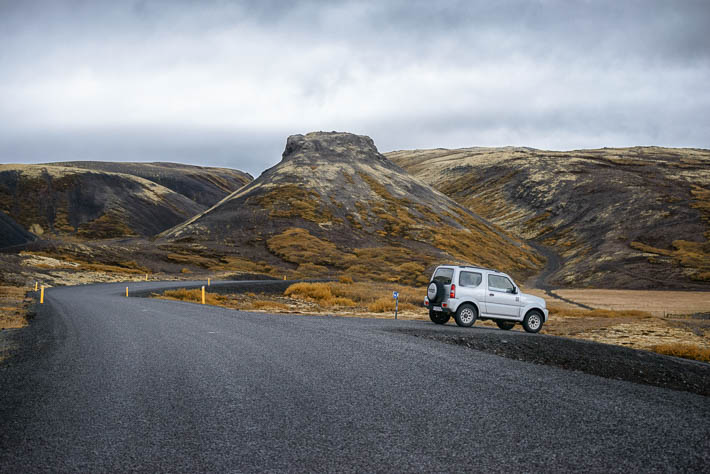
(474, 267)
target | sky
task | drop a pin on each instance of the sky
(224, 83)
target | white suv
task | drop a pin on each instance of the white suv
(471, 293)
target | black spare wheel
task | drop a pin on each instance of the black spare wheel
(435, 292)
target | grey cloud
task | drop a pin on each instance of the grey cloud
(224, 82)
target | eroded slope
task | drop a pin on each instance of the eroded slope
(631, 217)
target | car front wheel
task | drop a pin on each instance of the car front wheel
(439, 317)
(533, 321)
(466, 315)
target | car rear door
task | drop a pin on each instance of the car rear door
(443, 275)
(500, 299)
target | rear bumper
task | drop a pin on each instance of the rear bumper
(443, 309)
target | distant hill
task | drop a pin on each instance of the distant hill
(204, 185)
(615, 217)
(64, 201)
(12, 234)
(335, 203)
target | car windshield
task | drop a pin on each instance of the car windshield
(444, 275)
(470, 279)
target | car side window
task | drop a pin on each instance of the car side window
(470, 279)
(444, 275)
(500, 283)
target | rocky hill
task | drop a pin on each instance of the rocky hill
(60, 201)
(334, 203)
(630, 217)
(204, 185)
(12, 234)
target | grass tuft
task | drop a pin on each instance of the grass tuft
(686, 351)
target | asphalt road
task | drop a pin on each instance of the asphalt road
(108, 383)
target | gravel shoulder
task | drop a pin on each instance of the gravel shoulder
(603, 360)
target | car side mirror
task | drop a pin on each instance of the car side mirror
(514, 291)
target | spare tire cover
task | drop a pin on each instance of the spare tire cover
(435, 291)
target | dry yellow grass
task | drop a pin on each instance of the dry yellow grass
(320, 293)
(61, 260)
(267, 305)
(566, 311)
(656, 302)
(686, 351)
(364, 296)
(194, 296)
(13, 307)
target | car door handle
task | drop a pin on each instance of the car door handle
(491, 294)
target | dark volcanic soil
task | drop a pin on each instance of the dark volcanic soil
(603, 360)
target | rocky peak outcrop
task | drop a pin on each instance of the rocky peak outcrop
(331, 147)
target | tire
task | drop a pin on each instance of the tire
(505, 325)
(533, 321)
(466, 315)
(435, 292)
(439, 317)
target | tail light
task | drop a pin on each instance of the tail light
(453, 291)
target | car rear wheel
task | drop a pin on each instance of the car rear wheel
(439, 317)
(505, 325)
(466, 315)
(533, 321)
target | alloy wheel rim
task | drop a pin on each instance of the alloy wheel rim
(466, 316)
(534, 321)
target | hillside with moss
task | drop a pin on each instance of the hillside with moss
(334, 204)
(204, 185)
(615, 217)
(65, 202)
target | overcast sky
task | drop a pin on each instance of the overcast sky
(224, 83)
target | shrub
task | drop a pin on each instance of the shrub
(345, 279)
(340, 301)
(310, 291)
(310, 269)
(381, 305)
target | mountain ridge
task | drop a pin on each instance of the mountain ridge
(616, 216)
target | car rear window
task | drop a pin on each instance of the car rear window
(444, 275)
(471, 279)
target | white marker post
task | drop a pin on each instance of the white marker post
(395, 295)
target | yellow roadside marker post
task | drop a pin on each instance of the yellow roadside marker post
(126, 292)
(146, 277)
(284, 277)
(41, 296)
(208, 281)
(203, 295)
(36, 283)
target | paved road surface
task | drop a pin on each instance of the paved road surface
(134, 384)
